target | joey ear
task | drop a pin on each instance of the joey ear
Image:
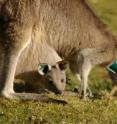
(62, 64)
(43, 68)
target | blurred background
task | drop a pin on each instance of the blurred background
(107, 11)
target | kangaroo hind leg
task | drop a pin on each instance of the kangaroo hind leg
(88, 58)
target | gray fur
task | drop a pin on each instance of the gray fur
(67, 27)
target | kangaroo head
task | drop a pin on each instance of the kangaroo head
(54, 75)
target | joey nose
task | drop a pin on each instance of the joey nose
(59, 92)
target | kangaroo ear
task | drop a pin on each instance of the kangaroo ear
(43, 68)
(62, 64)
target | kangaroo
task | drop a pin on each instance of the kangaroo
(51, 70)
(48, 78)
(68, 27)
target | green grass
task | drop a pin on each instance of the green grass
(75, 112)
(102, 110)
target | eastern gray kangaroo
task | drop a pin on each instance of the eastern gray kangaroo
(68, 27)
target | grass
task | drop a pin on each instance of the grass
(75, 112)
(102, 110)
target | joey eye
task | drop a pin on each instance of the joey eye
(51, 82)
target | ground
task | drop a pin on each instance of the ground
(100, 110)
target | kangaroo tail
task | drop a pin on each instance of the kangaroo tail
(36, 97)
